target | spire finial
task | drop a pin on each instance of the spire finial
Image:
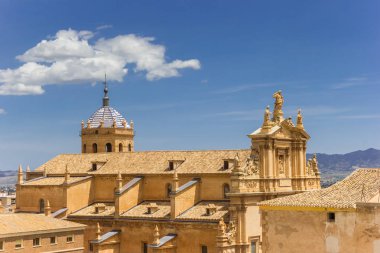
(98, 232)
(156, 236)
(106, 100)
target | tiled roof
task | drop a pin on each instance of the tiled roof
(360, 186)
(21, 223)
(52, 180)
(140, 211)
(106, 114)
(90, 210)
(145, 162)
(198, 212)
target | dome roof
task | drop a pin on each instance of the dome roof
(108, 115)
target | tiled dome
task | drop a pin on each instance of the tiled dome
(107, 114)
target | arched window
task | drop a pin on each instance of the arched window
(168, 189)
(129, 147)
(226, 189)
(42, 205)
(94, 148)
(120, 147)
(84, 148)
(108, 147)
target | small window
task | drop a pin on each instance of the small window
(1, 245)
(168, 190)
(84, 148)
(120, 147)
(18, 244)
(42, 205)
(144, 247)
(253, 246)
(129, 147)
(70, 238)
(171, 165)
(94, 148)
(91, 247)
(204, 249)
(331, 217)
(36, 242)
(226, 189)
(94, 167)
(53, 240)
(226, 165)
(108, 147)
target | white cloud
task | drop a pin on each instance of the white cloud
(350, 82)
(70, 57)
(102, 27)
(2, 111)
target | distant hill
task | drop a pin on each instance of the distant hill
(8, 177)
(335, 167)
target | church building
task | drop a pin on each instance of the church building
(170, 201)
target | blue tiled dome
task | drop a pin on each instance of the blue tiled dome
(107, 114)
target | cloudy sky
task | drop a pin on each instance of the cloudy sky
(191, 74)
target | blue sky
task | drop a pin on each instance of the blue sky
(200, 77)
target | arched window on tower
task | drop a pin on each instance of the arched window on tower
(129, 147)
(168, 189)
(120, 147)
(84, 148)
(108, 147)
(226, 189)
(94, 148)
(42, 205)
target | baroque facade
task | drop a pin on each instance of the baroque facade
(170, 201)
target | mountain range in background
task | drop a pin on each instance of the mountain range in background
(332, 167)
(336, 167)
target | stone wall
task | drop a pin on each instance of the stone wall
(353, 231)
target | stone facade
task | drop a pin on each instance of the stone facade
(171, 201)
(341, 218)
(34, 233)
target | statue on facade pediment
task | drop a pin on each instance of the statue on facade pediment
(281, 165)
(312, 166)
(279, 101)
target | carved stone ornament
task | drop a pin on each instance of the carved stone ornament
(231, 232)
(281, 164)
(253, 163)
(250, 184)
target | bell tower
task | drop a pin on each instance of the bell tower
(107, 130)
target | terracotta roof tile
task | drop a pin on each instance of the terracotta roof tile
(17, 223)
(146, 162)
(52, 180)
(198, 212)
(360, 186)
(141, 210)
